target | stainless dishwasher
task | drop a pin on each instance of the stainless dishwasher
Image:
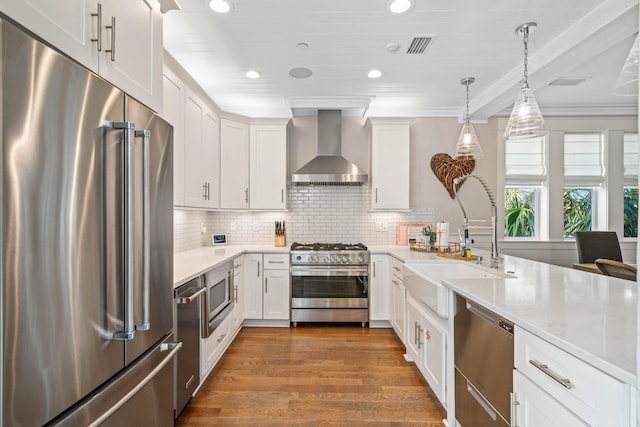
(188, 300)
(483, 366)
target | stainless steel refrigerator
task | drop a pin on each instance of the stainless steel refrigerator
(87, 246)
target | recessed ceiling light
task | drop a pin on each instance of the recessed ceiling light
(252, 74)
(374, 74)
(399, 6)
(300, 73)
(220, 6)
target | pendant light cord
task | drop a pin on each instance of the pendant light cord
(525, 38)
(467, 116)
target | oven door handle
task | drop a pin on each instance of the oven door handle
(329, 271)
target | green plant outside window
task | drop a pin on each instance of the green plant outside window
(578, 204)
(519, 212)
(630, 212)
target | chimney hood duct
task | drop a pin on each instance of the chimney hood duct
(329, 167)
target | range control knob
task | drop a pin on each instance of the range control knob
(359, 259)
(298, 257)
(312, 259)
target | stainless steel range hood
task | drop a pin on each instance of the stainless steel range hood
(329, 167)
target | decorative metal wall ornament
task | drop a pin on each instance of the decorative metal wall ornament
(446, 169)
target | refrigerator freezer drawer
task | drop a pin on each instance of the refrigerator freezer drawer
(152, 404)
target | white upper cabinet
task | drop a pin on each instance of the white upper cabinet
(68, 25)
(390, 177)
(131, 56)
(234, 165)
(201, 154)
(268, 166)
(173, 112)
(210, 161)
(119, 39)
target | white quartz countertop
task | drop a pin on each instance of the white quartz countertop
(190, 264)
(588, 315)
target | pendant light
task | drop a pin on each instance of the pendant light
(526, 120)
(468, 146)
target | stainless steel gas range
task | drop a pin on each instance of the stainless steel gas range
(329, 283)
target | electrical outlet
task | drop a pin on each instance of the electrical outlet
(385, 226)
(232, 226)
(256, 226)
(378, 226)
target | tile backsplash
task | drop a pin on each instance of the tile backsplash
(316, 213)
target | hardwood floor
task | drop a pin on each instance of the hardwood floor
(314, 376)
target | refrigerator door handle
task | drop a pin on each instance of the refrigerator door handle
(174, 347)
(146, 246)
(129, 220)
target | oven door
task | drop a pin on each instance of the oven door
(329, 287)
(218, 303)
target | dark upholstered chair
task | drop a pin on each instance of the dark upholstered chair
(597, 244)
(616, 269)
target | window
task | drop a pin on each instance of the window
(630, 200)
(520, 212)
(584, 174)
(525, 170)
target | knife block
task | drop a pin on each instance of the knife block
(280, 240)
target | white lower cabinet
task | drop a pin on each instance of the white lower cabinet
(537, 408)
(267, 280)
(379, 288)
(252, 274)
(427, 345)
(237, 315)
(553, 387)
(398, 296)
(212, 347)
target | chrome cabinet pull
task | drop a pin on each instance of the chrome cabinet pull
(266, 285)
(514, 410)
(374, 269)
(129, 237)
(376, 195)
(564, 382)
(191, 298)
(258, 268)
(98, 38)
(112, 49)
(415, 333)
(235, 294)
(174, 347)
(282, 195)
(395, 282)
(276, 262)
(246, 195)
(146, 245)
(419, 337)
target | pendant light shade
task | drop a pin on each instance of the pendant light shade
(468, 146)
(628, 80)
(526, 120)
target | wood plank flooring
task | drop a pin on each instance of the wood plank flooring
(314, 376)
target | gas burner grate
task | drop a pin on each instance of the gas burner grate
(328, 247)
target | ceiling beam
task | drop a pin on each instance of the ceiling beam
(603, 27)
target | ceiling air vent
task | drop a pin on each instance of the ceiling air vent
(568, 81)
(419, 45)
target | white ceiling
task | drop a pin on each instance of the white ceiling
(347, 38)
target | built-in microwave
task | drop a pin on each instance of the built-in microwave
(219, 297)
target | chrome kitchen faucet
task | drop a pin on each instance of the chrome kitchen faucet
(495, 256)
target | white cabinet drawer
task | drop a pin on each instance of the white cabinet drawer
(396, 268)
(588, 392)
(211, 348)
(276, 261)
